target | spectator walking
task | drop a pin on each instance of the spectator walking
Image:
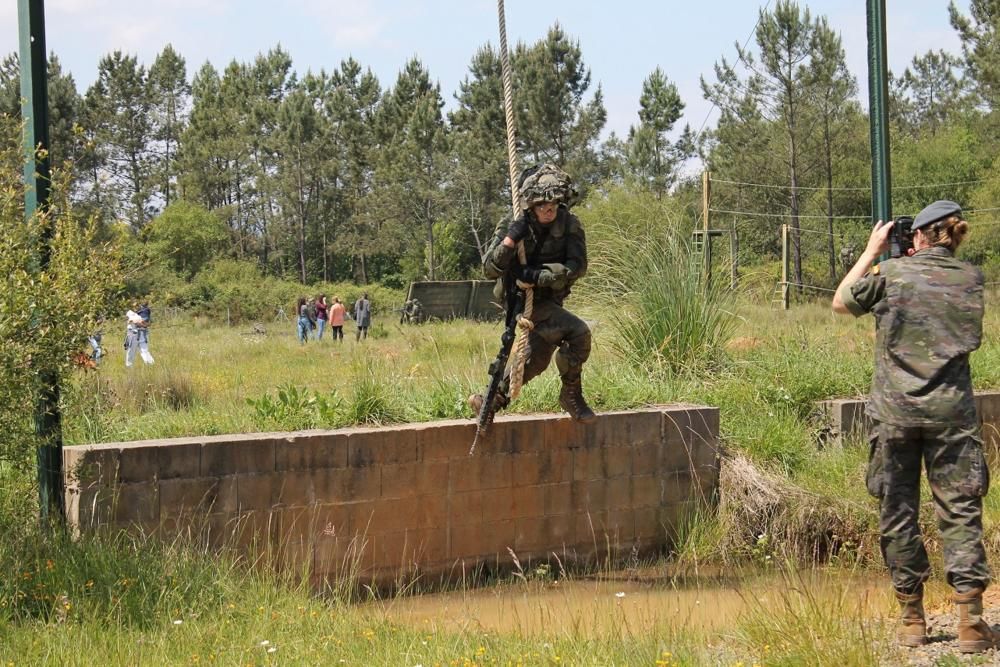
(302, 309)
(137, 335)
(337, 312)
(363, 316)
(321, 316)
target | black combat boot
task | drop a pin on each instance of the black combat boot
(572, 401)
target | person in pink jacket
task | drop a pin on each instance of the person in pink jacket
(336, 313)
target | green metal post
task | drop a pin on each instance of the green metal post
(878, 103)
(35, 112)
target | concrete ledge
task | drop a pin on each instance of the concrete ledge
(845, 417)
(387, 504)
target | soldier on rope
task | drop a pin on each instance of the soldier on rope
(556, 252)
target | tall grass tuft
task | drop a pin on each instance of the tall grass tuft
(374, 398)
(156, 388)
(642, 276)
(801, 625)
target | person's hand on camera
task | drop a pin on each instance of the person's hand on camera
(878, 242)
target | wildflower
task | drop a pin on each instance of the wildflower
(265, 643)
(620, 594)
(178, 622)
(49, 565)
(272, 649)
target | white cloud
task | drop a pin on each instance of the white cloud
(351, 24)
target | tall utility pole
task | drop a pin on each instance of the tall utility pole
(35, 112)
(878, 104)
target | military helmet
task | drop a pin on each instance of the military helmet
(544, 183)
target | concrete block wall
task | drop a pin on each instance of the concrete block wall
(846, 417)
(386, 503)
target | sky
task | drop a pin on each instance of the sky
(622, 41)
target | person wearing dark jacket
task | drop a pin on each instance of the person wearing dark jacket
(556, 250)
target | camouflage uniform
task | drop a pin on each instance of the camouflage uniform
(929, 313)
(563, 258)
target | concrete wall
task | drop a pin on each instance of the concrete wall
(846, 417)
(393, 502)
(456, 298)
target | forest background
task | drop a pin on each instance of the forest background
(261, 177)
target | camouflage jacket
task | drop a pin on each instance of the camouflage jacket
(928, 312)
(563, 255)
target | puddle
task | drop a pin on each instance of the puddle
(620, 602)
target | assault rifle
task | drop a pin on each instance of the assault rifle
(514, 301)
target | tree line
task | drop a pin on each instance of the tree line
(328, 175)
(334, 175)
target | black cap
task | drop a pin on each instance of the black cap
(939, 210)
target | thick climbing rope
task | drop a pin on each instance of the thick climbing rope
(524, 323)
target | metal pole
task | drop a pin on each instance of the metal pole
(706, 240)
(784, 267)
(35, 113)
(734, 251)
(878, 102)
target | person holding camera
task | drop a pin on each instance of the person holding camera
(928, 309)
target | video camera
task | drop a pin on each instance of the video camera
(901, 237)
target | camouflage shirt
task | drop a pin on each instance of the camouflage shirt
(929, 317)
(563, 255)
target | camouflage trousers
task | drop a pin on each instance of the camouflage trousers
(958, 477)
(556, 331)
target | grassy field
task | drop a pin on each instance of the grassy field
(115, 600)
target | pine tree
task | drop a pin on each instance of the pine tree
(834, 89)
(118, 105)
(651, 158)
(64, 106)
(778, 88)
(350, 105)
(555, 122)
(979, 33)
(169, 94)
(479, 144)
(931, 92)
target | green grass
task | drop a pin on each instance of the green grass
(116, 600)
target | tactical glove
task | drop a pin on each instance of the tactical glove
(527, 274)
(518, 229)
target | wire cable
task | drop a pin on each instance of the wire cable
(739, 59)
(788, 215)
(770, 186)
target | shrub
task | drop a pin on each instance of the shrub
(47, 310)
(642, 276)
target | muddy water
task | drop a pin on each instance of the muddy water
(634, 602)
